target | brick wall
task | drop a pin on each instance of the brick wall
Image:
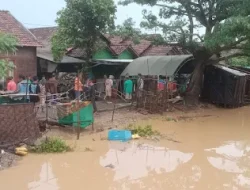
(26, 62)
(18, 123)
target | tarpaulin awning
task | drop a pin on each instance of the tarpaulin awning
(111, 62)
(156, 65)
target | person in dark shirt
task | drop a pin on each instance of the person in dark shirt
(92, 95)
(34, 88)
(51, 87)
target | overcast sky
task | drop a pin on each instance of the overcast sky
(41, 13)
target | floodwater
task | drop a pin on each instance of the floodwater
(212, 152)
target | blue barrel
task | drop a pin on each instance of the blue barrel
(119, 135)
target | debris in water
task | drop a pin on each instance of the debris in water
(87, 149)
(110, 166)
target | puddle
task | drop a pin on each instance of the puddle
(214, 154)
(135, 161)
(47, 179)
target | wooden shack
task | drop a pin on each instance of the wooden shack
(224, 86)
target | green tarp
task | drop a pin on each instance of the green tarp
(156, 65)
(86, 117)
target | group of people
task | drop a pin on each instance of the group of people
(129, 86)
(30, 89)
(88, 89)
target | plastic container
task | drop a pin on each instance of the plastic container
(119, 135)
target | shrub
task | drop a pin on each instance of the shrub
(52, 145)
(146, 131)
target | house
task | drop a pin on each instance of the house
(119, 48)
(110, 60)
(46, 63)
(25, 56)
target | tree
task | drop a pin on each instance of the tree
(226, 24)
(7, 45)
(128, 30)
(240, 61)
(81, 24)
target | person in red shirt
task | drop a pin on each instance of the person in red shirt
(11, 85)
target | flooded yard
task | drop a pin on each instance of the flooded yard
(210, 151)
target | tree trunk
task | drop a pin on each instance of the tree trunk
(195, 84)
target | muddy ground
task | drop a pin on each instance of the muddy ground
(207, 149)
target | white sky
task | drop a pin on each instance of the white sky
(42, 13)
(39, 13)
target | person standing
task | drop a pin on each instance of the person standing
(11, 85)
(23, 89)
(140, 85)
(92, 95)
(108, 87)
(42, 93)
(104, 84)
(78, 86)
(51, 87)
(34, 90)
(128, 88)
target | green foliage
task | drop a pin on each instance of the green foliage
(127, 31)
(52, 145)
(146, 131)
(5, 67)
(240, 61)
(80, 25)
(226, 23)
(7, 45)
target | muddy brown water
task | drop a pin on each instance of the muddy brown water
(213, 153)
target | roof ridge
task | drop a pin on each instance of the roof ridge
(46, 27)
(23, 31)
(25, 28)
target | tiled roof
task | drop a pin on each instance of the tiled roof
(9, 25)
(117, 45)
(114, 40)
(142, 46)
(159, 50)
(43, 35)
(78, 53)
(118, 49)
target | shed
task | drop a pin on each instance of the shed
(224, 85)
(47, 63)
(157, 65)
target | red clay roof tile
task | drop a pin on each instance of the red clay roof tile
(43, 35)
(10, 25)
(118, 45)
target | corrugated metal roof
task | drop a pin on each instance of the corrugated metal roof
(65, 59)
(156, 65)
(232, 71)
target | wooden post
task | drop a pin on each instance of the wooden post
(113, 113)
(47, 114)
(115, 103)
(78, 112)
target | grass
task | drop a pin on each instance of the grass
(146, 131)
(52, 145)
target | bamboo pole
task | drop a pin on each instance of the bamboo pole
(78, 112)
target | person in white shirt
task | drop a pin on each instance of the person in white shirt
(108, 87)
(140, 85)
